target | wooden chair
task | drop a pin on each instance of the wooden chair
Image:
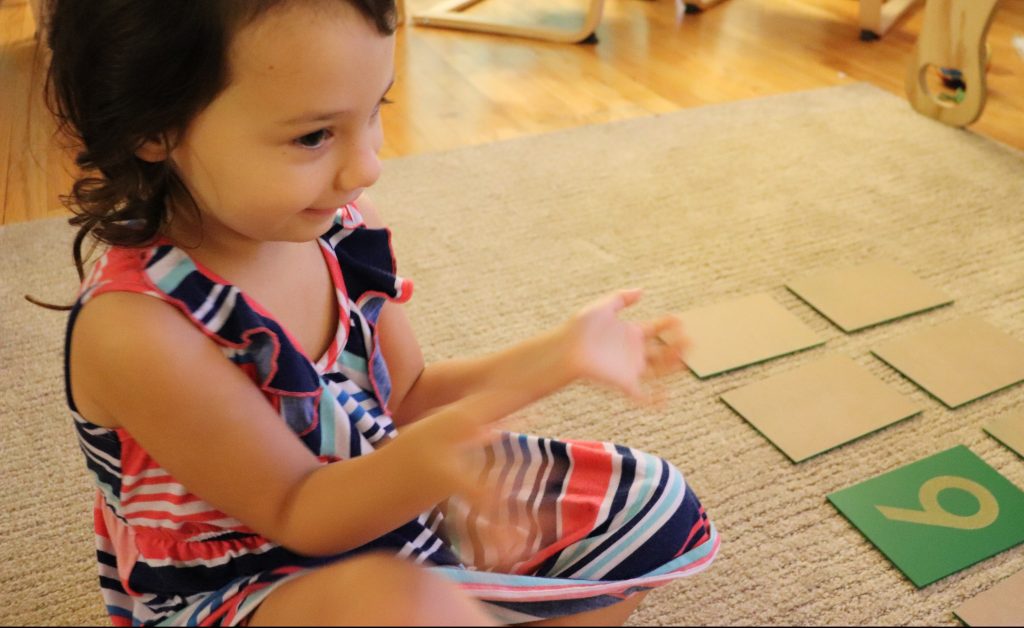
(449, 14)
(952, 44)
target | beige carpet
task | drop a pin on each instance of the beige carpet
(695, 206)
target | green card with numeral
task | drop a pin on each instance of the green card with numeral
(934, 517)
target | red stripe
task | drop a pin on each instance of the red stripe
(700, 526)
(163, 515)
(129, 484)
(135, 460)
(156, 548)
(99, 526)
(171, 498)
(229, 609)
(338, 281)
(581, 501)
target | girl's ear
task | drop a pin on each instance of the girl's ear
(154, 150)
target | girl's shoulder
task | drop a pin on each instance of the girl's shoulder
(119, 269)
(120, 323)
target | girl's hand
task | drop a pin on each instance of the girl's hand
(446, 450)
(605, 349)
(443, 450)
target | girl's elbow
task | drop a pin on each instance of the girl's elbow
(291, 528)
(309, 543)
(312, 538)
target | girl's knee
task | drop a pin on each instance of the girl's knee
(669, 518)
(689, 517)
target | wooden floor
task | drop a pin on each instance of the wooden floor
(455, 88)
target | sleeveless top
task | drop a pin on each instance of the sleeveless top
(166, 542)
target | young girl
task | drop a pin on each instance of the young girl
(267, 444)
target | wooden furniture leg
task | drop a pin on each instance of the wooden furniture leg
(878, 16)
(952, 41)
(449, 14)
(696, 6)
(400, 5)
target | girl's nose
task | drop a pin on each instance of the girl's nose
(360, 167)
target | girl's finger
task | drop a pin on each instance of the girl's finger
(669, 329)
(666, 335)
(631, 296)
(625, 298)
(661, 362)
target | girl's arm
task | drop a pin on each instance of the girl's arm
(138, 364)
(594, 344)
(536, 367)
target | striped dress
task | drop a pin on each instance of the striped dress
(601, 521)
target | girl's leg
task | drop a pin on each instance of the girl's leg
(373, 589)
(614, 615)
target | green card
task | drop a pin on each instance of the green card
(938, 515)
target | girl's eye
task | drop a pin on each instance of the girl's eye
(316, 139)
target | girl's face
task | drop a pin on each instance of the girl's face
(296, 133)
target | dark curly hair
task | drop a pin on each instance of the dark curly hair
(124, 72)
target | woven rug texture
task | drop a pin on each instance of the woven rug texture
(697, 206)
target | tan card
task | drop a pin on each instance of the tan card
(742, 332)
(958, 361)
(818, 406)
(866, 295)
(1002, 605)
(1009, 430)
